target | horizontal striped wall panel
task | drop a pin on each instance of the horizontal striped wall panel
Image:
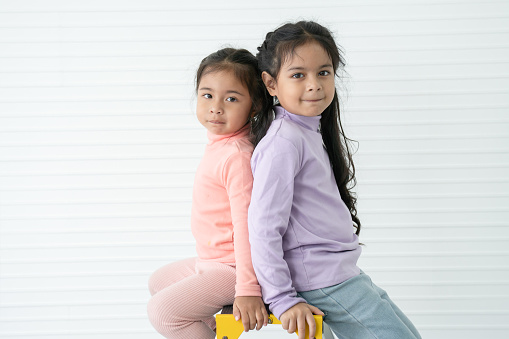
(99, 145)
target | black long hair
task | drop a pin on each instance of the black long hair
(278, 46)
(244, 66)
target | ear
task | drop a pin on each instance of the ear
(270, 83)
(255, 106)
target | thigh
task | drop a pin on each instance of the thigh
(338, 315)
(383, 294)
(201, 294)
(170, 274)
(355, 309)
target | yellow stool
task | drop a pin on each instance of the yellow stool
(229, 328)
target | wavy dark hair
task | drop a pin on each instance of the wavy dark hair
(244, 66)
(280, 45)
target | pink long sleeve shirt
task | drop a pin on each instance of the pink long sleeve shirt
(221, 196)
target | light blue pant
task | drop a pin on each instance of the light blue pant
(358, 309)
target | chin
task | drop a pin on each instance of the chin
(313, 114)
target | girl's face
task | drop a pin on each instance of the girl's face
(305, 83)
(224, 103)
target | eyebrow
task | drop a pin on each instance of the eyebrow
(228, 92)
(299, 68)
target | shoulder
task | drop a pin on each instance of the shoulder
(233, 147)
(243, 145)
(238, 150)
(282, 136)
(281, 147)
(237, 162)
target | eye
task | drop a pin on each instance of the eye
(324, 73)
(231, 99)
(207, 96)
(298, 75)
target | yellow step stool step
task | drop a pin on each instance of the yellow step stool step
(229, 328)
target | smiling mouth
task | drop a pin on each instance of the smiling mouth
(313, 100)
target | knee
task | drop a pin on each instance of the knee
(157, 282)
(152, 284)
(163, 316)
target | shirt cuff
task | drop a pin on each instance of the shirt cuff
(248, 291)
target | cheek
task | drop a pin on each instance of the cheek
(200, 111)
(287, 94)
(244, 113)
(332, 86)
(201, 106)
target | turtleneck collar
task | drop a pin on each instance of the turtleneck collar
(311, 123)
(241, 133)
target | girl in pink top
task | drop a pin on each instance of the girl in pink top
(186, 294)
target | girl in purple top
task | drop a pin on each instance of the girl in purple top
(303, 224)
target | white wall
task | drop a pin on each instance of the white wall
(98, 146)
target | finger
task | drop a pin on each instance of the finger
(246, 322)
(285, 322)
(292, 324)
(301, 328)
(236, 312)
(252, 320)
(265, 317)
(312, 325)
(315, 310)
(262, 317)
(301, 325)
(259, 320)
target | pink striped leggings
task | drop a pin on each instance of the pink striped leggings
(185, 296)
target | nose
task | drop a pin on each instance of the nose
(216, 107)
(313, 84)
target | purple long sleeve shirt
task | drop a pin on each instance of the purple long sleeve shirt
(301, 232)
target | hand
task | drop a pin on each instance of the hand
(296, 317)
(252, 312)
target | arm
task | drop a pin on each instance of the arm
(275, 164)
(248, 304)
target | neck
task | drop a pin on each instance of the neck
(241, 133)
(311, 123)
